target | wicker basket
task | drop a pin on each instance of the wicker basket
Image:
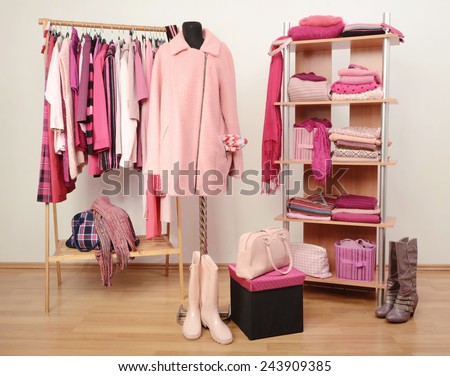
(311, 260)
(355, 259)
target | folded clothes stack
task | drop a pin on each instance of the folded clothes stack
(356, 144)
(358, 29)
(356, 208)
(305, 87)
(315, 207)
(357, 83)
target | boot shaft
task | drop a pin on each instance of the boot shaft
(407, 255)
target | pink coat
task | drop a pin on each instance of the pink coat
(192, 105)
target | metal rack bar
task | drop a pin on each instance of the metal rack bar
(45, 21)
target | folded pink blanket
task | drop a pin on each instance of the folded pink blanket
(350, 217)
(319, 20)
(351, 201)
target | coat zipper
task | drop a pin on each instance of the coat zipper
(201, 118)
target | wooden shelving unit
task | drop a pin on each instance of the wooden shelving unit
(364, 178)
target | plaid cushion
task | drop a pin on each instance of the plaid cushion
(84, 237)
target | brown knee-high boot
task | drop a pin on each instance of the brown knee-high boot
(392, 283)
(407, 298)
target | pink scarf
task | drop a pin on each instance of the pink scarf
(321, 163)
(272, 133)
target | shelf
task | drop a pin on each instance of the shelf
(305, 162)
(389, 223)
(146, 247)
(337, 103)
(344, 282)
(341, 43)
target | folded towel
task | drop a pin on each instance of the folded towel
(295, 215)
(356, 211)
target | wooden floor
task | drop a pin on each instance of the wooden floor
(137, 316)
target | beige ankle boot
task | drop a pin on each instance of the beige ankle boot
(209, 305)
(392, 283)
(407, 298)
(192, 327)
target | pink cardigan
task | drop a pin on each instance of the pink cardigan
(192, 105)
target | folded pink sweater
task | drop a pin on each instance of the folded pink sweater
(339, 87)
(315, 32)
(318, 20)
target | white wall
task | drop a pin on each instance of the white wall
(418, 186)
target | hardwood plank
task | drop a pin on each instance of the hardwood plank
(137, 316)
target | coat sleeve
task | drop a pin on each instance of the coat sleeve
(228, 104)
(152, 161)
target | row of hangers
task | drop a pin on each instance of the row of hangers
(156, 38)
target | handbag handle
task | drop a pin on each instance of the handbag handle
(287, 249)
(75, 237)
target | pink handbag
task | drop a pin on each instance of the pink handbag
(262, 252)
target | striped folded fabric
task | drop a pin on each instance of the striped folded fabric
(316, 205)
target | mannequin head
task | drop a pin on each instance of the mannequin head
(193, 34)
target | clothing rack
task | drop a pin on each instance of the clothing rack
(147, 247)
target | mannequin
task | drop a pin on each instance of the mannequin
(193, 34)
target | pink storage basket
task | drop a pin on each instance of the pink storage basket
(303, 144)
(355, 259)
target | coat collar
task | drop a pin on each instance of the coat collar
(211, 45)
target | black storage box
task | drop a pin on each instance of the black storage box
(268, 312)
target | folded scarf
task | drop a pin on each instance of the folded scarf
(365, 132)
(351, 201)
(350, 217)
(116, 235)
(367, 95)
(321, 162)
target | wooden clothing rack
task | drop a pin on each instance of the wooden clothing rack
(147, 247)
